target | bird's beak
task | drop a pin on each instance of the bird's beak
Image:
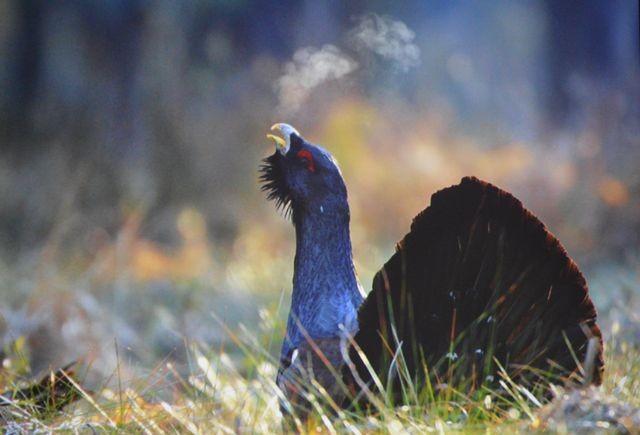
(282, 144)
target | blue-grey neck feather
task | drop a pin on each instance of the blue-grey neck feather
(326, 292)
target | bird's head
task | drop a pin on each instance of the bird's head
(302, 177)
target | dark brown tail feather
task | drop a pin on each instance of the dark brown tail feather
(479, 277)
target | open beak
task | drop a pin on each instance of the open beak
(282, 143)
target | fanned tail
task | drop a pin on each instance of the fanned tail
(478, 283)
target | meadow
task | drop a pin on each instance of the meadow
(136, 243)
(184, 336)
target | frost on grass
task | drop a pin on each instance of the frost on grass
(589, 411)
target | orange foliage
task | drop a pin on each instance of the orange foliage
(613, 192)
(146, 260)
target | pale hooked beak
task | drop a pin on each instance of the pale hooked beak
(282, 143)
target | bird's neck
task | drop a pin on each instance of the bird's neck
(326, 292)
(323, 255)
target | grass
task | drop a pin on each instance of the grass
(228, 386)
(224, 393)
(216, 375)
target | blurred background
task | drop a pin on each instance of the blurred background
(131, 133)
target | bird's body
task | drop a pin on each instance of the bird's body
(326, 293)
(477, 284)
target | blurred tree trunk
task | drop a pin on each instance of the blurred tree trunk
(24, 72)
(581, 46)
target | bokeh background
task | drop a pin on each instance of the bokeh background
(131, 219)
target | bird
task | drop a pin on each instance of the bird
(477, 289)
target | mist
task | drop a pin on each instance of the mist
(310, 68)
(389, 38)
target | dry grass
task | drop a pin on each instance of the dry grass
(237, 394)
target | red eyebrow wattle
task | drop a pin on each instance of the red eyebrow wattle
(306, 154)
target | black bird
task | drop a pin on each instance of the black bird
(477, 284)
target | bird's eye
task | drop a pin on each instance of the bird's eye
(307, 157)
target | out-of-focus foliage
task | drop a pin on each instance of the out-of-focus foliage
(131, 133)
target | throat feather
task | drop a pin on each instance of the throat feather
(326, 294)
